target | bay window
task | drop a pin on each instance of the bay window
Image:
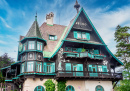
(39, 46)
(30, 66)
(39, 67)
(31, 44)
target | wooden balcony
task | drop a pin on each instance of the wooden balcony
(83, 55)
(89, 75)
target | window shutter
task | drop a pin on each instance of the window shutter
(53, 67)
(55, 37)
(80, 67)
(104, 68)
(75, 34)
(88, 36)
(45, 67)
(68, 66)
(96, 51)
(90, 68)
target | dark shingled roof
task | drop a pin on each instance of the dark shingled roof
(34, 30)
(47, 30)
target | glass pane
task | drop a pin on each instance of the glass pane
(84, 36)
(31, 44)
(79, 35)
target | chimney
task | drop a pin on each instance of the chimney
(49, 18)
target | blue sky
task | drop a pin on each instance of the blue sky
(16, 17)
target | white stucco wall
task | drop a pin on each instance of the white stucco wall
(30, 84)
(79, 85)
(91, 85)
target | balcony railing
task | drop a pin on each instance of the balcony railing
(84, 54)
(88, 74)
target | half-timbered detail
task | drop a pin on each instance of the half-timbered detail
(75, 53)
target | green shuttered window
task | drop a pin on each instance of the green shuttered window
(39, 46)
(22, 67)
(81, 35)
(68, 66)
(31, 44)
(39, 66)
(99, 88)
(70, 88)
(49, 67)
(30, 66)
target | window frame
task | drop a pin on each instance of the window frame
(30, 69)
(101, 89)
(81, 35)
(22, 67)
(52, 37)
(39, 45)
(32, 45)
(38, 67)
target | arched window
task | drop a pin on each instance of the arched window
(70, 88)
(99, 88)
(39, 88)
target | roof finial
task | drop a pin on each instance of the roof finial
(77, 6)
(36, 16)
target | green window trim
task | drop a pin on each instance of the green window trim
(38, 66)
(49, 67)
(22, 67)
(68, 67)
(99, 88)
(81, 35)
(24, 46)
(70, 88)
(39, 88)
(39, 46)
(52, 37)
(31, 45)
(30, 66)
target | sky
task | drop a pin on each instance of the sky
(17, 16)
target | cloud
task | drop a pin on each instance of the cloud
(5, 23)
(3, 42)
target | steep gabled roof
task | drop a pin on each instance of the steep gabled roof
(34, 30)
(47, 30)
(70, 27)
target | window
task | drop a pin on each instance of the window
(24, 46)
(70, 88)
(39, 67)
(52, 37)
(30, 66)
(68, 49)
(31, 44)
(39, 56)
(49, 67)
(99, 88)
(22, 67)
(39, 88)
(24, 57)
(82, 35)
(39, 46)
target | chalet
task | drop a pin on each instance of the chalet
(75, 53)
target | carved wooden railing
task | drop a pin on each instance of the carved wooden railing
(89, 74)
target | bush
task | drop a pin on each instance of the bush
(61, 85)
(50, 86)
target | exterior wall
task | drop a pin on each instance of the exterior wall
(30, 84)
(91, 85)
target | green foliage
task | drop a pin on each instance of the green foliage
(122, 38)
(123, 86)
(5, 60)
(50, 86)
(83, 50)
(2, 79)
(61, 85)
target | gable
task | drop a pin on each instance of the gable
(82, 23)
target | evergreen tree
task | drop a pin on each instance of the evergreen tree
(122, 38)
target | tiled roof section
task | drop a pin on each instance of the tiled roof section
(21, 37)
(47, 30)
(34, 31)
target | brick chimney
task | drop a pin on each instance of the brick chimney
(49, 18)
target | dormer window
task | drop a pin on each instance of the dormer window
(31, 44)
(52, 37)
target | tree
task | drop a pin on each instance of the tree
(122, 38)
(50, 86)
(5, 60)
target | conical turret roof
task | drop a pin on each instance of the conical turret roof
(34, 30)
